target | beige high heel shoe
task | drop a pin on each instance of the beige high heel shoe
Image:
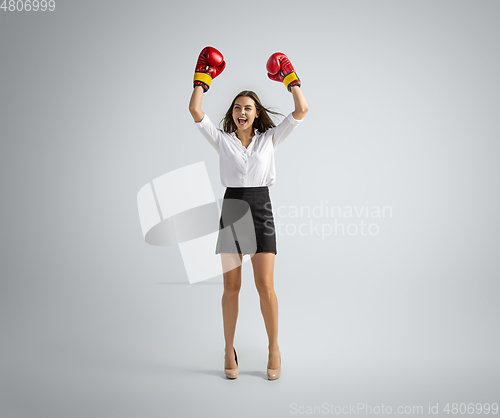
(232, 373)
(273, 374)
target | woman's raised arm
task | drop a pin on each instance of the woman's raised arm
(195, 104)
(279, 68)
(210, 64)
(301, 107)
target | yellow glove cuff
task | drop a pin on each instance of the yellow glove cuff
(203, 77)
(290, 78)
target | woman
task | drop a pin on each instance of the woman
(246, 148)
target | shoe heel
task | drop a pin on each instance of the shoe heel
(233, 373)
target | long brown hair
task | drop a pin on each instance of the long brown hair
(262, 123)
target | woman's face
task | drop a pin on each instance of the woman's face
(244, 113)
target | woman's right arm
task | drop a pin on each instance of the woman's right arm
(195, 104)
(210, 64)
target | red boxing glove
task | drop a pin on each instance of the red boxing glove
(210, 64)
(280, 68)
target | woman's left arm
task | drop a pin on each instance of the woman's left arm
(301, 107)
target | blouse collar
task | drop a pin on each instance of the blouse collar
(255, 131)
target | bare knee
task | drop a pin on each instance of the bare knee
(266, 289)
(232, 283)
(231, 264)
(231, 289)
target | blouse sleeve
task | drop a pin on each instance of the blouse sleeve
(284, 129)
(210, 131)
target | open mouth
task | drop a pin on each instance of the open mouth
(241, 121)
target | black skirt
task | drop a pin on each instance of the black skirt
(246, 223)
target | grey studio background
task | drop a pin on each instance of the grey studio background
(403, 113)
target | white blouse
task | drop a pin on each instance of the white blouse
(252, 166)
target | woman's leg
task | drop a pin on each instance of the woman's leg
(263, 269)
(231, 267)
